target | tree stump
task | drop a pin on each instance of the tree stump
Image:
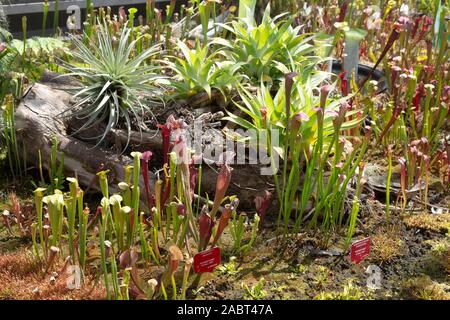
(38, 122)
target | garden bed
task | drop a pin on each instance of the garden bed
(210, 151)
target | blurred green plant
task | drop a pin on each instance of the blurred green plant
(44, 17)
(255, 292)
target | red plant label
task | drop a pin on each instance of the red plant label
(360, 250)
(207, 260)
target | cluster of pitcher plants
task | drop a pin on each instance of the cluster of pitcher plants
(166, 229)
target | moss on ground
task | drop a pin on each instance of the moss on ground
(432, 222)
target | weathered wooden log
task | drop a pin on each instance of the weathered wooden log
(246, 183)
(38, 121)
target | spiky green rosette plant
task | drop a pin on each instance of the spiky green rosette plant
(114, 80)
(200, 70)
(268, 50)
